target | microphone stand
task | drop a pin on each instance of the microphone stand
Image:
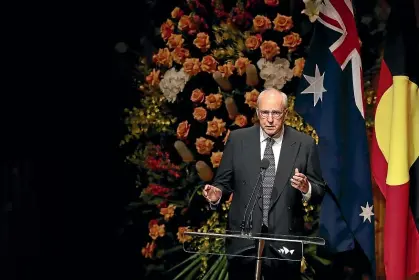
(250, 221)
(243, 226)
(261, 242)
(258, 272)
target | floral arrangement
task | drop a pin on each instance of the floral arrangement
(214, 59)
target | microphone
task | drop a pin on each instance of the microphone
(264, 164)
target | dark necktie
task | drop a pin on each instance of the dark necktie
(269, 179)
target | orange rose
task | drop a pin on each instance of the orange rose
(163, 57)
(153, 222)
(148, 250)
(168, 212)
(176, 13)
(166, 29)
(183, 130)
(272, 3)
(187, 24)
(192, 66)
(180, 54)
(269, 49)
(283, 23)
(183, 23)
(261, 24)
(253, 42)
(216, 127)
(292, 41)
(216, 159)
(157, 231)
(226, 70)
(202, 41)
(204, 146)
(241, 64)
(251, 98)
(240, 121)
(200, 114)
(209, 64)
(194, 22)
(198, 96)
(181, 235)
(214, 101)
(153, 78)
(175, 40)
(298, 67)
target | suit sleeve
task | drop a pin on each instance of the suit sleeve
(224, 175)
(314, 175)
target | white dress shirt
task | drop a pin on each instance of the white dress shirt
(276, 148)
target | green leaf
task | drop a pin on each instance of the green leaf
(172, 250)
(193, 194)
(182, 263)
(189, 267)
(152, 267)
(322, 261)
(133, 205)
(213, 268)
(220, 268)
(224, 271)
(178, 203)
(193, 272)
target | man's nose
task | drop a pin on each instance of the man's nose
(270, 118)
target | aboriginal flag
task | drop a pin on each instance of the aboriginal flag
(395, 144)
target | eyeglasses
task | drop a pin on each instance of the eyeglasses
(275, 114)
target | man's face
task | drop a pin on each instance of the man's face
(271, 113)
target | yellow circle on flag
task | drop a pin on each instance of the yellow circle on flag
(397, 128)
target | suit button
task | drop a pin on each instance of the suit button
(290, 229)
(289, 207)
(244, 182)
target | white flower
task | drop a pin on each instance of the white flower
(276, 73)
(312, 9)
(172, 83)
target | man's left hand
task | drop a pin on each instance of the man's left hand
(299, 181)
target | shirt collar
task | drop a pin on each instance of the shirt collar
(278, 138)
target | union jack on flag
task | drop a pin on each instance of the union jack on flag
(330, 98)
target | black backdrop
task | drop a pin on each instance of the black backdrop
(64, 182)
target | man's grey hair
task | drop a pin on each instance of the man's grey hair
(284, 96)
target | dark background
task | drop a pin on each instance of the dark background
(64, 182)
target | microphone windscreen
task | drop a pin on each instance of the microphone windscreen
(264, 163)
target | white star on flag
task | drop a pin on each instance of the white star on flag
(316, 85)
(367, 212)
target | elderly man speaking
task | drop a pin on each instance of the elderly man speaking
(292, 176)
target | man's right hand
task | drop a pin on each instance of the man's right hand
(212, 194)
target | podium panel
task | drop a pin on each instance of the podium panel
(240, 244)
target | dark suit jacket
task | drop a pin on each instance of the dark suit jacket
(238, 173)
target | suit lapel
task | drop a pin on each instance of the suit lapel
(289, 150)
(251, 147)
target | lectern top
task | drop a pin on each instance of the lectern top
(259, 236)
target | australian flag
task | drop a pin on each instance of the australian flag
(330, 98)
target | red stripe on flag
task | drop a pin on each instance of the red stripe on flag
(385, 81)
(401, 238)
(379, 164)
(395, 231)
(412, 266)
(330, 21)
